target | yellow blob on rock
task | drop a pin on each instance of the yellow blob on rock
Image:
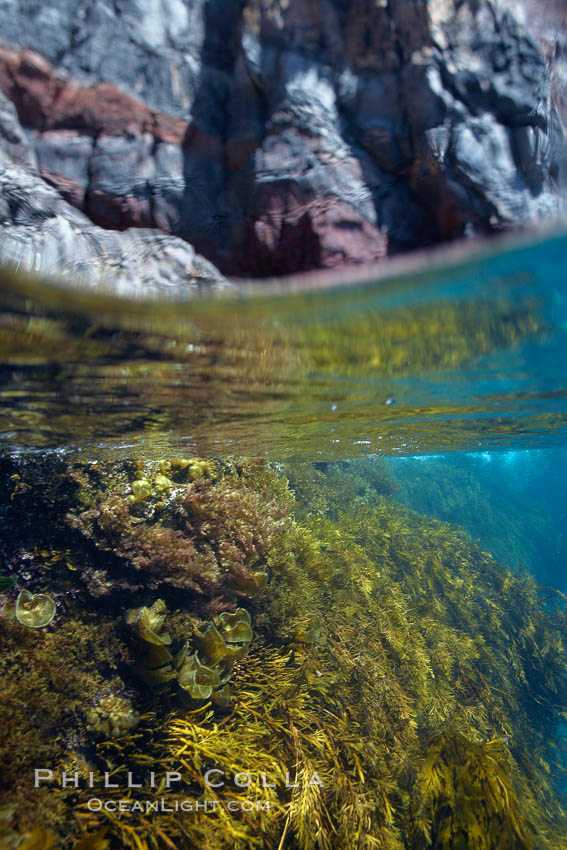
(162, 483)
(141, 488)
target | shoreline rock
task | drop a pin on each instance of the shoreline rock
(272, 137)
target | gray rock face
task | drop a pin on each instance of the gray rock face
(279, 136)
(40, 231)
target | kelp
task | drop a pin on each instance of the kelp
(466, 797)
(391, 685)
(325, 488)
(59, 687)
(512, 521)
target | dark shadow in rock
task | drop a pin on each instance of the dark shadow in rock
(206, 218)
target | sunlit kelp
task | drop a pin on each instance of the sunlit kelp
(390, 657)
(513, 504)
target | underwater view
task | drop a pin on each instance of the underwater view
(287, 570)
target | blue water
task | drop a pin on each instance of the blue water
(513, 503)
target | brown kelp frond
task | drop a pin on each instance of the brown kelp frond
(466, 797)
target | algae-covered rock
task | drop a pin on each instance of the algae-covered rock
(34, 610)
(113, 716)
(200, 527)
(49, 682)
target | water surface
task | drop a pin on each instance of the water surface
(469, 356)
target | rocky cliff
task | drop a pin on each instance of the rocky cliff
(271, 136)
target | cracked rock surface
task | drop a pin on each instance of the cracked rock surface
(44, 233)
(270, 136)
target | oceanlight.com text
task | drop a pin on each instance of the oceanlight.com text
(95, 804)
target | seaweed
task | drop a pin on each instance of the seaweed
(34, 610)
(391, 685)
(207, 532)
(467, 797)
(53, 683)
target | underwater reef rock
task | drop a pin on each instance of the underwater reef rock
(274, 137)
(186, 530)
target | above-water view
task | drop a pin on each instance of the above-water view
(287, 570)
